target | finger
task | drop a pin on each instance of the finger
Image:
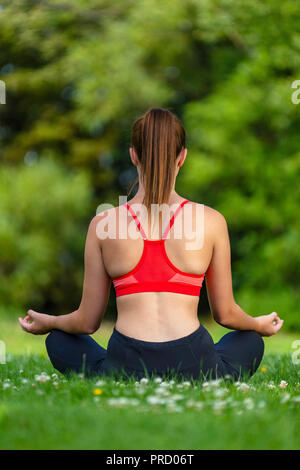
(21, 324)
(278, 325)
(32, 313)
(27, 320)
(20, 318)
(26, 326)
(277, 318)
(277, 321)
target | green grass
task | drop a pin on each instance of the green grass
(52, 412)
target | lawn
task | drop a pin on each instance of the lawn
(41, 409)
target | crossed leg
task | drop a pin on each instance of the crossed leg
(241, 351)
(74, 352)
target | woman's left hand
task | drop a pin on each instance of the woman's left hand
(41, 323)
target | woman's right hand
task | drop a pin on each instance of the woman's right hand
(268, 325)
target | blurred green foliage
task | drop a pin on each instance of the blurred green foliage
(43, 220)
(79, 72)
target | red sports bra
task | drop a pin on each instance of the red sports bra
(154, 271)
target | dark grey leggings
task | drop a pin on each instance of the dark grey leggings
(237, 355)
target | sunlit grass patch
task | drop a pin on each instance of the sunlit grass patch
(42, 409)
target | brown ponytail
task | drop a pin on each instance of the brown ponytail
(157, 137)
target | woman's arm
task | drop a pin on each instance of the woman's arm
(96, 286)
(219, 285)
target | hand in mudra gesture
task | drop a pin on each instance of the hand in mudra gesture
(36, 323)
(269, 325)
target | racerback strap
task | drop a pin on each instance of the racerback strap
(170, 225)
(138, 223)
(173, 218)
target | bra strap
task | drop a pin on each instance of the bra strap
(173, 218)
(138, 223)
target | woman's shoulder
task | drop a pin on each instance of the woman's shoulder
(215, 222)
(214, 214)
(209, 211)
(214, 219)
(107, 210)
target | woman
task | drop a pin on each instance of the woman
(157, 278)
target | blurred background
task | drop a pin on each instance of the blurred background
(79, 72)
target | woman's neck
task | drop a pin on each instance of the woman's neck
(139, 196)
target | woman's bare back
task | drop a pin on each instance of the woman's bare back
(158, 316)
